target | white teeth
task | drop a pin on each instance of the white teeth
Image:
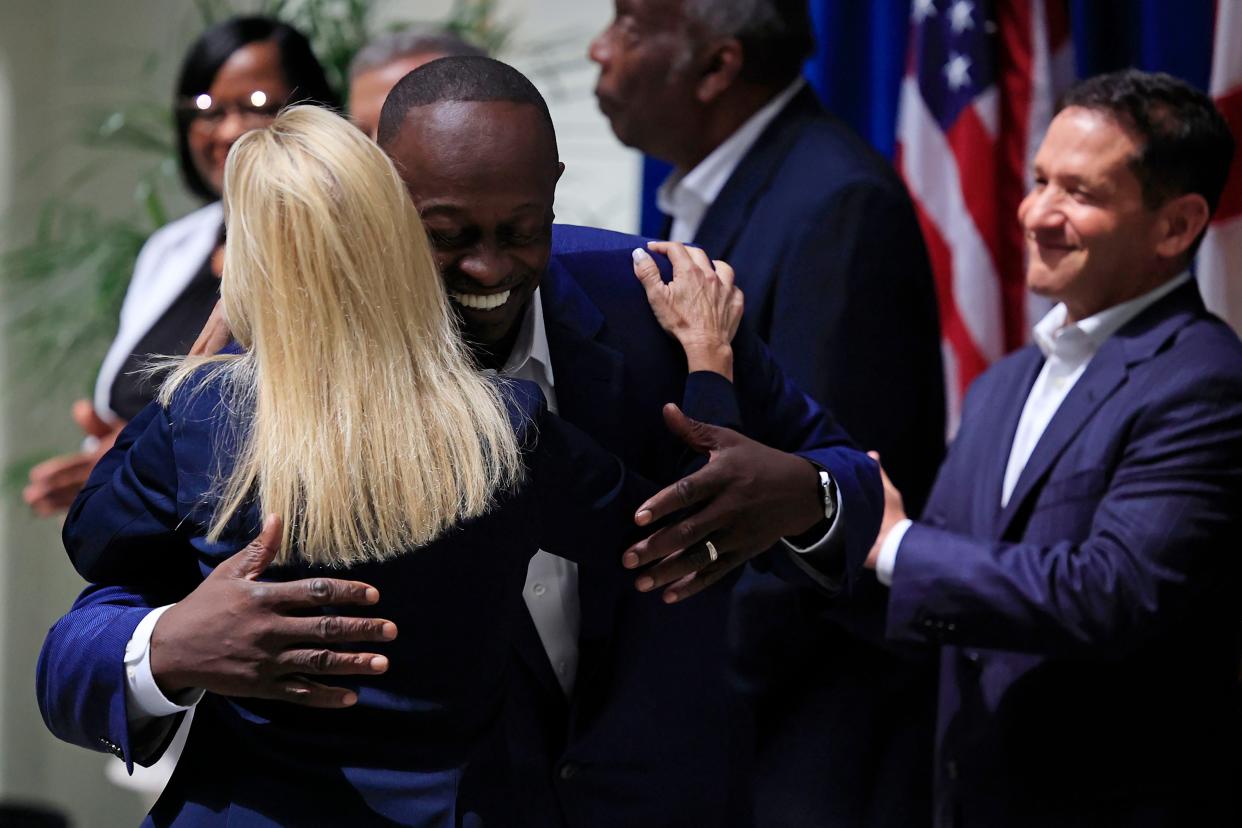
(476, 301)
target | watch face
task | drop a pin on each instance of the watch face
(830, 500)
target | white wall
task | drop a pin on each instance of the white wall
(602, 178)
(57, 58)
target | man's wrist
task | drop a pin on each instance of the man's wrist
(170, 680)
(145, 698)
(886, 561)
(812, 499)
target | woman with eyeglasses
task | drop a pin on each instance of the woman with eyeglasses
(235, 78)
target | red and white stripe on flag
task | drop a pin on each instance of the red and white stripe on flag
(980, 84)
(1219, 266)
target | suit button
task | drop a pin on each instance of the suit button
(951, 768)
(568, 771)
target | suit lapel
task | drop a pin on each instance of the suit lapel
(1104, 375)
(588, 374)
(999, 440)
(588, 385)
(1137, 341)
(728, 214)
(532, 654)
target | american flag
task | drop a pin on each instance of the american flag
(980, 84)
(1220, 258)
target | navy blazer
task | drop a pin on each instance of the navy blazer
(827, 249)
(453, 601)
(654, 734)
(1090, 628)
(645, 671)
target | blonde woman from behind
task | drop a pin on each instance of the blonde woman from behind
(352, 409)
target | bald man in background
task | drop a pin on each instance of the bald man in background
(378, 66)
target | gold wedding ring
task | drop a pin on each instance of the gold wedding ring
(712, 552)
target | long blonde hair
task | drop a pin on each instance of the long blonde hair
(372, 431)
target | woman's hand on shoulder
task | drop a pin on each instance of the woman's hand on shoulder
(700, 305)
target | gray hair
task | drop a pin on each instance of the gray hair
(387, 48)
(776, 34)
(734, 17)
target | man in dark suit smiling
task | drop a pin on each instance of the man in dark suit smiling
(622, 714)
(1077, 561)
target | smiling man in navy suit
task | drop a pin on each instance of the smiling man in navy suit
(1078, 558)
(621, 712)
(830, 257)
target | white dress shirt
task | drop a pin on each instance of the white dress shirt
(686, 197)
(1067, 349)
(551, 591)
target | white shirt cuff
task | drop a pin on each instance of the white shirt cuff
(828, 536)
(143, 697)
(887, 561)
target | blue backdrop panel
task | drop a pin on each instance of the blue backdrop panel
(858, 65)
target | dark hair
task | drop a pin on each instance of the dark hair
(467, 79)
(1184, 143)
(302, 71)
(775, 34)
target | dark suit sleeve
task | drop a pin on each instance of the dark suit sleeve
(120, 529)
(1161, 538)
(123, 524)
(584, 496)
(777, 413)
(854, 322)
(80, 681)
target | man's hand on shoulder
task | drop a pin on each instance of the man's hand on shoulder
(746, 499)
(238, 636)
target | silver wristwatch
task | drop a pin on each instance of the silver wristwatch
(829, 491)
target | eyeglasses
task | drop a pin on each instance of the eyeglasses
(255, 110)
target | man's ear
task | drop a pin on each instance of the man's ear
(560, 169)
(722, 65)
(1182, 219)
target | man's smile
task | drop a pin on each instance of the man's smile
(481, 301)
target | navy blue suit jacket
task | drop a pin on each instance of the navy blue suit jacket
(1090, 627)
(647, 736)
(827, 250)
(652, 735)
(148, 505)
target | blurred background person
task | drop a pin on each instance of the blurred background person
(837, 280)
(378, 66)
(235, 77)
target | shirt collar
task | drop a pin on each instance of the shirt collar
(530, 349)
(699, 187)
(1083, 338)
